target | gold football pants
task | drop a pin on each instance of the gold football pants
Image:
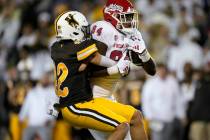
(99, 114)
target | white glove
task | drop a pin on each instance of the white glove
(52, 111)
(51, 100)
(124, 64)
(136, 44)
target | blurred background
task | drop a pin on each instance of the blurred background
(175, 102)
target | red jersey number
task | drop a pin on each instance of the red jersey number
(96, 31)
(116, 55)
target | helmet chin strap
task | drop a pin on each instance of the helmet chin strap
(76, 41)
(83, 39)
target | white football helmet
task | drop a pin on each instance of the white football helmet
(72, 25)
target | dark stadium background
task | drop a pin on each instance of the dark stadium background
(27, 30)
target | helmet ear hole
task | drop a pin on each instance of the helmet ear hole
(75, 33)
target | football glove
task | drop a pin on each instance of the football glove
(136, 44)
(124, 64)
(52, 111)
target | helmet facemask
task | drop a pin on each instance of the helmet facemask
(127, 22)
(86, 31)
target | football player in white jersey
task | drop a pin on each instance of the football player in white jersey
(119, 32)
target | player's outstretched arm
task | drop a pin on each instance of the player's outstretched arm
(149, 67)
(144, 60)
(122, 67)
(139, 55)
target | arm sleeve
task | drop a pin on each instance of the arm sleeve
(150, 67)
(86, 52)
(103, 32)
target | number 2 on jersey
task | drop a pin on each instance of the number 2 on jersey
(61, 73)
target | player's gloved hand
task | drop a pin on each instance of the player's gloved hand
(136, 44)
(52, 111)
(124, 64)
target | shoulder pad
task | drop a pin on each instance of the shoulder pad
(103, 31)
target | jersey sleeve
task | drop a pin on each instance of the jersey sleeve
(102, 47)
(103, 32)
(86, 52)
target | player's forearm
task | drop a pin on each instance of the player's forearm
(122, 67)
(111, 67)
(106, 72)
(148, 63)
(102, 61)
(145, 60)
(149, 67)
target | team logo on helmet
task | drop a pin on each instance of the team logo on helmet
(122, 15)
(72, 22)
(113, 7)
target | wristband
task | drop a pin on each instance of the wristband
(145, 56)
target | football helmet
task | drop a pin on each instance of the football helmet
(122, 15)
(72, 25)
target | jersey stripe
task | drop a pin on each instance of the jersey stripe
(93, 114)
(83, 54)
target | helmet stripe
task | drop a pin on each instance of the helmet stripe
(56, 20)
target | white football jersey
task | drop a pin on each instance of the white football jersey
(105, 32)
(102, 86)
